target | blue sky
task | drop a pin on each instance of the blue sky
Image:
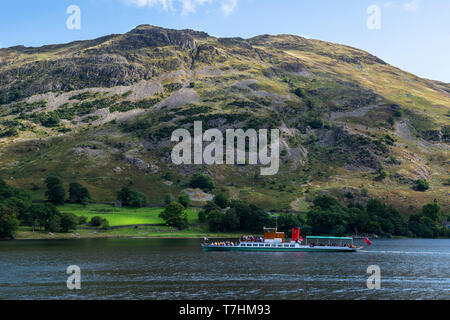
(414, 35)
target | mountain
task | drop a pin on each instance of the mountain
(101, 112)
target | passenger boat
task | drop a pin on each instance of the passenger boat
(275, 241)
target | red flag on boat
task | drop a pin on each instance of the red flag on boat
(301, 239)
(367, 241)
(295, 234)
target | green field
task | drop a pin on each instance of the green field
(123, 216)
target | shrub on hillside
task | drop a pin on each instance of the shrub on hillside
(96, 221)
(78, 193)
(184, 200)
(54, 224)
(207, 209)
(169, 198)
(131, 198)
(382, 172)
(175, 216)
(8, 222)
(82, 220)
(316, 123)
(55, 192)
(221, 200)
(68, 222)
(422, 185)
(105, 224)
(11, 132)
(201, 181)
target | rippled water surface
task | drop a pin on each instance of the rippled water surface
(179, 269)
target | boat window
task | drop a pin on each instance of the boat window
(292, 246)
(261, 245)
(255, 245)
(267, 245)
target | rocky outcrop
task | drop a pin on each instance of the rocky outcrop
(140, 164)
(198, 195)
(150, 36)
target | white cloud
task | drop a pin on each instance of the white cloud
(410, 5)
(184, 6)
(166, 4)
(189, 6)
(228, 6)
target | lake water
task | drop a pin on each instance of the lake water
(179, 269)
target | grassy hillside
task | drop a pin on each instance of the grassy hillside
(101, 112)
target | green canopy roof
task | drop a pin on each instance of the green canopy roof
(333, 238)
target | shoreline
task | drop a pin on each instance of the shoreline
(112, 237)
(124, 233)
(110, 234)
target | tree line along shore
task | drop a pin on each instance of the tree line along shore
(70, 213)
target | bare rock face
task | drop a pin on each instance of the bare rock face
(149, 36)
(90, 151)
(106, 65)
(68, 74)
(434, 135)
(403, 177)
(198, 195)
(140, 164)
(206, 54)
(361, 153)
